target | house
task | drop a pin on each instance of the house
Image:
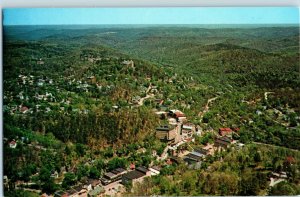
(172, 121)
(225, 132)
(132, 177)
(240, 145)
(201, 151)
(40, 62)
(5, 179)
(119, 171)
(113, 176)
(155, 170)
(258, 112)
(13, 144)
(198, 130)
(54, 174)
(77, 191)
(144, 170)
(108, 178)
(24, 109)
(187, 131)
(136, 175)
(178, 115)
(193, 157)
(40, 82)
(209, 148)
(166, 133)
(222, 142)
(91, 79)
(281, 175)
(128, 63)
(89, 184)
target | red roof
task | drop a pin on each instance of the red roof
(224, 131)
(13, 142)
(179, 114)
(290, 159)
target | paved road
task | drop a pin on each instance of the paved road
(141, 101)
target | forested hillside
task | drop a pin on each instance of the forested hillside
(79, 101)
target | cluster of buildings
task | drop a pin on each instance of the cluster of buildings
(128, 63)
(178, 128)
(30, 79)
(180, 131)
(110, 181)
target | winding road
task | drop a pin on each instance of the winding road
(141, 101)
(206, 108)
(266, 95)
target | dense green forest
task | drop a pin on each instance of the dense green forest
(70, 104)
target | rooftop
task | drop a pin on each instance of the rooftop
(133, 175)
(110, 175)
(142, 169)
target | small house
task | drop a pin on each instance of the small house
(13, 144)
(222, 142)
(24, 109)
(40, 62)
(136, 175)
(155, 170)
(225, 132)
(187, 131)
(167, 133)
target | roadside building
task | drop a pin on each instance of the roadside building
(155, 170)
(135, 176)
(222, 142)
(114, 175)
